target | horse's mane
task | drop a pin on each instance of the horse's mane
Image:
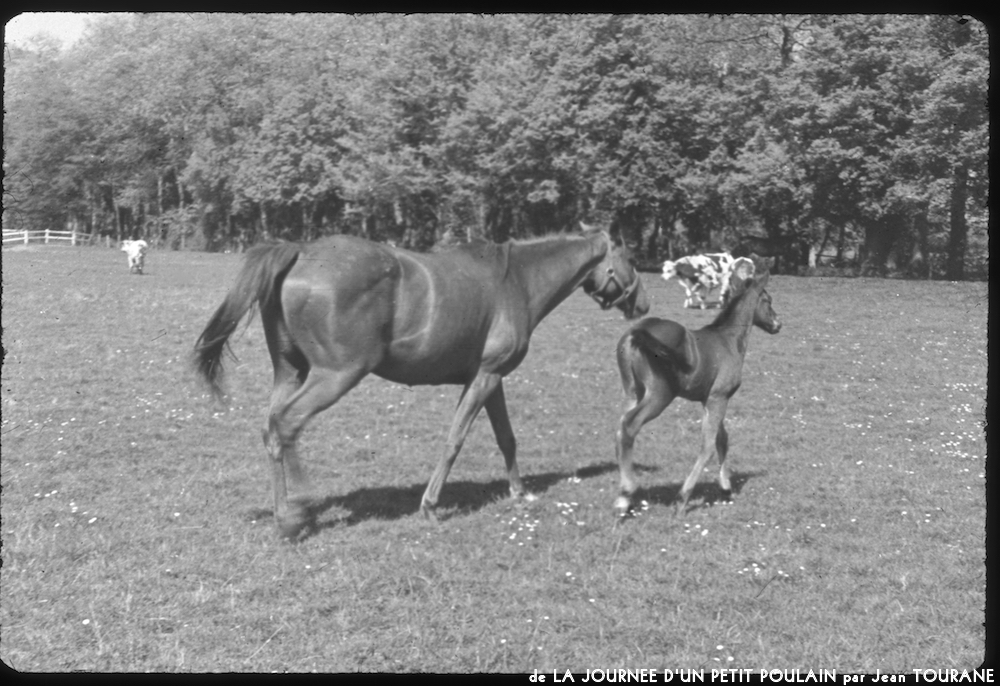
(482, 249)
(733, 303)
(557, 235)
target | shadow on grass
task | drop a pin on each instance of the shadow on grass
(705, 493)
(457, 497)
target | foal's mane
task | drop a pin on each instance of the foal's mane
(724, 315)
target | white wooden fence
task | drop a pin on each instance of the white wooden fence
(49, 236)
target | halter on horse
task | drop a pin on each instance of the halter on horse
(343, 307)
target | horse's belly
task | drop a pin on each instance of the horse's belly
(425, 374)
(421, 363)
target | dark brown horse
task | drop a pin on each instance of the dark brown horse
(660, 360)
(343, 307)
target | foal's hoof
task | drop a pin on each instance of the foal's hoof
(291, 528)
(623, 506)
(430, 514)
(523, 497)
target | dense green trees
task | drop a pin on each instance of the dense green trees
(860, 137)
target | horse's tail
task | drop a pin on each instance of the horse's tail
(651, 345)
(255, 284)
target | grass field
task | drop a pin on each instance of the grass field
(137, 532)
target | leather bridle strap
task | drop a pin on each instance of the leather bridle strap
(601, 298)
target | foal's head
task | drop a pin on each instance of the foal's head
(764, 316)
(747, 293)
(614, 282)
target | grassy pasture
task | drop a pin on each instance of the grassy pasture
(137, 534)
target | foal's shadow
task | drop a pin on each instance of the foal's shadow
(396, 502)
(705, 493)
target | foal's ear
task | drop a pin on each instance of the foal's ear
(744, 271)
(762, 279)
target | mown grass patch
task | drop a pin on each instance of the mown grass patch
(136, 519)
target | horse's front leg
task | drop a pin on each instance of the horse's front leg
(721, 448)
(496, 409)
(711, 422)
(474, 396)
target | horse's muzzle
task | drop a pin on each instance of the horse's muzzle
(637, 303)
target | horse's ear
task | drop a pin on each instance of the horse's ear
(744, 271)
(586, 228)
(762, 280)
(763, 264)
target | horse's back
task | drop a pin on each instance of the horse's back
(415, 318)
(666, 341)
(668, 332)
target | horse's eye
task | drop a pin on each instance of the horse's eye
(611, 270)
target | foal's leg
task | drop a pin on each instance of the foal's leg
(715, 410)
(642, 410)
(496, 409)
(721, 448)
(321, 389)
(474, 396)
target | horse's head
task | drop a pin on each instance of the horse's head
(764, 316)
(614, 282)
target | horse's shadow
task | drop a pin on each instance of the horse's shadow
(705, 493)
(457, 497)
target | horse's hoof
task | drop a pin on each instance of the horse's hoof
(429, 512)
(290, 528)
(623, 506)
(526, 497)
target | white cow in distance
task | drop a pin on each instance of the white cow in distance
(699, 275)
(136, 253)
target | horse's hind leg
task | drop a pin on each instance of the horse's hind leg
(653, 396)
(287, 380)
(287, 417)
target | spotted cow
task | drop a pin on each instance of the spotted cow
(136, 253)
(699, 275)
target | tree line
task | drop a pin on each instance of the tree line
(862, 139)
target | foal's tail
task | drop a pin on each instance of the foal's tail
(651, 345)
(255, 285)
